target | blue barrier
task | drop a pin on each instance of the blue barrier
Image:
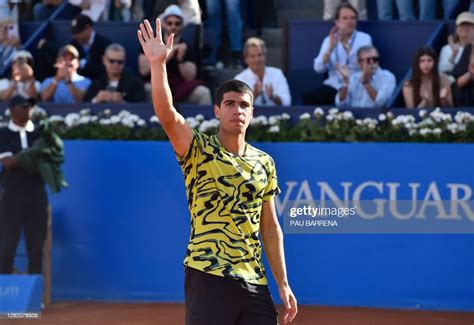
(121, 229)
(20, 293)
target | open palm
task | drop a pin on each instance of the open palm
(153, 47)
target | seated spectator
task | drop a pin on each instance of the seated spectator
(463, 71)
(91, 46)
(330, 7)
(9, 40)
(451, 52)
(427, 87)
(268, 83)
(44, 9)
(119, 10)
(181, 66)
(338, 55)
(23, 80)
(370, 87)
(116, 85)
(67, 86)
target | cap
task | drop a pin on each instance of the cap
(22, 101)
(171, 10)
(69, 49)
(80, 22)
(465, 17)
(22, 54)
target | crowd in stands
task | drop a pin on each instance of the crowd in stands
(91, 68)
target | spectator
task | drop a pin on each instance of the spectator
(463, 71)
(23, 80)
(67, 86)
(451, 52)
(42, 11)
(191, 11)
(119, 10)
(181, 65)
(427, 9)
(233, 17)
(427, 87)
(9, 40)
(370, 87)
(330, 7)
(117, 85)
(269, 85)
(92, 8)
(338, 55)
(91, 46)
(24, 200)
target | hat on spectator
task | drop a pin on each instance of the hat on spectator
(80, 23)
(69, 49)
(172, 10)
(19, 100)
(465, 17)
(22, 55)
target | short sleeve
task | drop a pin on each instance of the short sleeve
(191, 155)
(272, 188)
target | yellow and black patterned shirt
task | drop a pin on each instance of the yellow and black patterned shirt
(225, 197)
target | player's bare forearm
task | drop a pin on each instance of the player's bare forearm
(272, 237)
(161, 95)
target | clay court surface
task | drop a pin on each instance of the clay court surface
(91, 313)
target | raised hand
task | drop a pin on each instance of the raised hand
(153, 47)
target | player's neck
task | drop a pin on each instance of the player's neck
(234, 143)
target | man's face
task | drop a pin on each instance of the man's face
(347, 21)
(465, 30)
(255, 58)
(84, 36)
(114, 62)
(70, 61)
(235, 112)
(21, 114)
(369, 60)
(173, 24)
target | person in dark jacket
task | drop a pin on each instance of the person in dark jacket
(91, 46)
(23, 198)
(117, 85)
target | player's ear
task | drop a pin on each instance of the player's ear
(217, 111)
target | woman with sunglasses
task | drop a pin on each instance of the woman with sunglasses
(427, 88)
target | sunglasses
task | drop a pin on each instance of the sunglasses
(119, 62)
(372, 59)
(176, 23)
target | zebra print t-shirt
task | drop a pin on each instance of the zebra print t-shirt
(225, 196)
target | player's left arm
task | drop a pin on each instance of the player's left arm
(272, 237)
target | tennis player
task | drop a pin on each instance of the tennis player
(230, 187)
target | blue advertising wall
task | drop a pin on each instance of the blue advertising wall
(120, 231)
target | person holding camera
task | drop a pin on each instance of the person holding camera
(22, 81)
(67, 86)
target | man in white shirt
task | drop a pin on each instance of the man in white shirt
(338, 55)
(372, 86)
(269, 85)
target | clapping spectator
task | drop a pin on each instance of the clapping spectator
(427, 87)
(67, 86)
(117, 85)
(269, 84)
(463, 72)
(9, 40)
(22, 80)
(370, 87)
(452, 52)
(338, 55)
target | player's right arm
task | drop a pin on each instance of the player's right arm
(156, 52)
